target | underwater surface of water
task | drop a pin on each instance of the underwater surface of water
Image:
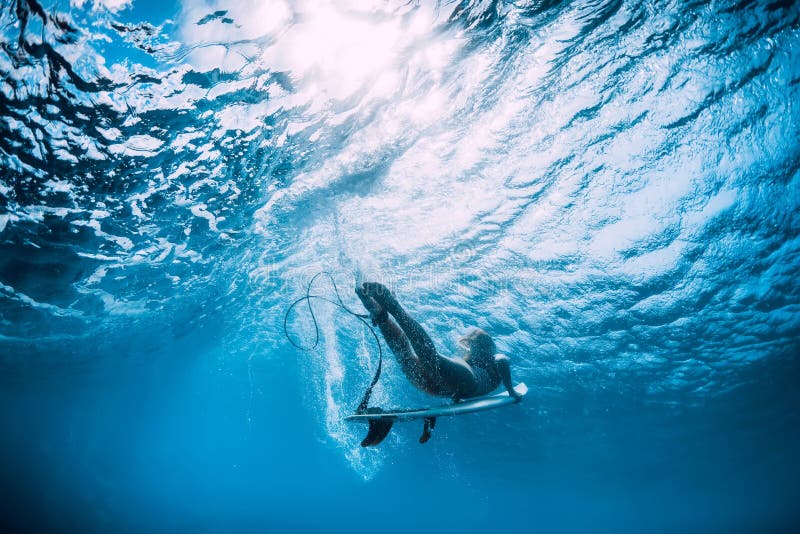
(610, 188)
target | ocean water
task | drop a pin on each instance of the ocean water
(610, 188)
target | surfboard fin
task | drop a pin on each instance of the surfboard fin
(378, 430)
(430, 424)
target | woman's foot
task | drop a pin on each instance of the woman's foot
(377, 312)
(381, 294)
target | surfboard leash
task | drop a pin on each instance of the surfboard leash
(363, 406)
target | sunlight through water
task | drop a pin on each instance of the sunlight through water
(611, 188)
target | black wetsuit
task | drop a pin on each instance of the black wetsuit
(486, 380)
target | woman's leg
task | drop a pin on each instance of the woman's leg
(417, 336)
(409, 363)
(397, 341)
(454, 374)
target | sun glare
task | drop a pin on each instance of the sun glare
(339, 51)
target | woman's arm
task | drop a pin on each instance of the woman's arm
(503, 364)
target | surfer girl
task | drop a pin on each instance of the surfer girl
(478, 371)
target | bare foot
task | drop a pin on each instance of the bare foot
(380, 293)
(376, 311)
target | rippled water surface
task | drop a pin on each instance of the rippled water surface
(610, 188)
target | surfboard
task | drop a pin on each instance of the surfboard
(465, 406)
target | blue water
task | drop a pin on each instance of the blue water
(610, 188)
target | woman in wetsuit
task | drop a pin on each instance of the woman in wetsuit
(478, 372)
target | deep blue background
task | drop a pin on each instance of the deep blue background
(174, 441)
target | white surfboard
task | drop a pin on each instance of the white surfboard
(478, 404)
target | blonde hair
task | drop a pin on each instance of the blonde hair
(481, 346)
